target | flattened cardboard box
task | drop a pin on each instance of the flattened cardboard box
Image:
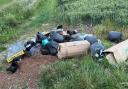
(118, 53)
(70, 49)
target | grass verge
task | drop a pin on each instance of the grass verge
(83, 73)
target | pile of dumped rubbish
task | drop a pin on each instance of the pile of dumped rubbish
(63, 44)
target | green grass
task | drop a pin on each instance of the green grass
(77, 73)
(81, 11)
(2, 66)
(83, 73)
(12, 20)
(46, 11)
(94, 11)
(3, 2)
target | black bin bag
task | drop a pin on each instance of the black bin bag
(56, 37)
(97, 50)
(50, 49)
(44, 51)
(29, 44)
(53, 47)
(40, 37)
(76, 37)
(115, 36)
(70, 32)
(91, 39)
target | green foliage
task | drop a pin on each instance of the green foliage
(11, 18)
(46, 11)
(107, 43)
(94, 11)
(2, 47)
(2, 66)
(81, 11)
(83, 74)
(2, 2)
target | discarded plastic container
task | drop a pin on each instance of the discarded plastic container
(45, 42)
(14, 48)
(70, 49)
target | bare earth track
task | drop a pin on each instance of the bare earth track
(27, 76)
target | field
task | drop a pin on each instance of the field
(92, 16)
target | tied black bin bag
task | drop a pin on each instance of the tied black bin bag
(72, 32)
(13, 67)
(76, 37)
(56, 37)
(91, 39)
(50, 49)
(40, 37)
(29, 44)
(115, 36)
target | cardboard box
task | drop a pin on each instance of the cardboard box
(118, 53)
(70, 49)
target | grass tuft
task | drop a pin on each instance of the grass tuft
(82, 74)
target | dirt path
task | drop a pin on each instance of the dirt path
(27, 76)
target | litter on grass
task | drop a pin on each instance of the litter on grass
(69, 43)
(118, 53)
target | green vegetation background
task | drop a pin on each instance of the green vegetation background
(81, 72)
(3, 2)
